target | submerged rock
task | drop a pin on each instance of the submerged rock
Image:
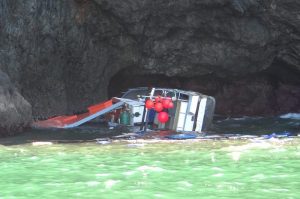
(15, 111)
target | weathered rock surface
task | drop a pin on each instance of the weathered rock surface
(63, 55)
(15, 111)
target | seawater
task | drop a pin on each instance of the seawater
(215, 169)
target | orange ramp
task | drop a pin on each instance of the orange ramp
(76, 120)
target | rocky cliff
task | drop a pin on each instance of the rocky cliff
(65, 55)
(15, 111)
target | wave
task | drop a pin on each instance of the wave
(295, 116)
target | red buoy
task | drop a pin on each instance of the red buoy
(149, 104)
(158, 107)
(166, 102)
(171, 105)
(157, 99)
(163, 117)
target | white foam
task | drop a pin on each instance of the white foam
(185, 183)
(295, 116)
(218, 175)
(239, 118)
(41, 143)
(136, 145)
(280, 176)
(102, 174)
(213, 159)
(246, 147)
(280, 190)
(128, 173)
(217, 169)
(235, 152)
(235, 155)
(34, 158)
(149, 168)
(22, 150)
(158, 195)
(110, 183)
(259, 176)
(278, 150)
(92, 183)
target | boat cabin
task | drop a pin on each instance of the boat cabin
(192, 111)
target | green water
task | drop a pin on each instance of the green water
(206, 169)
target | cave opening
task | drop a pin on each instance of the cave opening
(282, 72)
(126, 79)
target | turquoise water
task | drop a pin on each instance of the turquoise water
(204, 169)
(218, 169)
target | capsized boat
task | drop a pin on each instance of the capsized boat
(191, 111)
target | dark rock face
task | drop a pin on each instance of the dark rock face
(61, 54)
(222, 37)
(64, 55)
(15, 111)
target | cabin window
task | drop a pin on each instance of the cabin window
(183, 96)
(164, 93)
(170, 94)
(135, 94)
(158, 92)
